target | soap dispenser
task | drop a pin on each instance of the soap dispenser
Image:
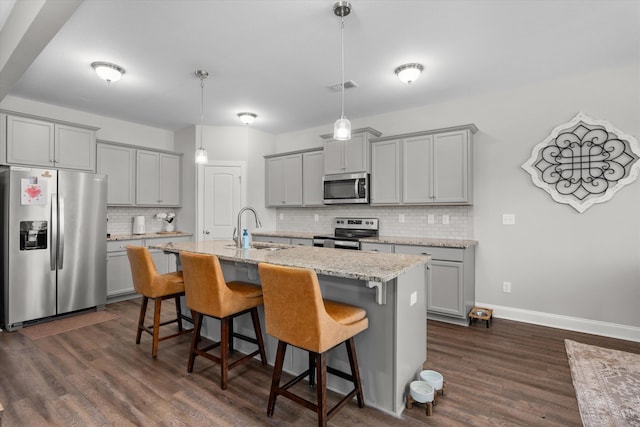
(245, 239)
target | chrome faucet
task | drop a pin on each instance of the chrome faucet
(236, 231)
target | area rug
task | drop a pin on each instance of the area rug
(607, 384)
(66, 324)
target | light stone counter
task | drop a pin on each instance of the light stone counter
(390, 287)
(372, 267)
(156, 235)
(288, 234)
(422, 241)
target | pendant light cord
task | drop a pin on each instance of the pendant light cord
(342, 60)
(201, 108)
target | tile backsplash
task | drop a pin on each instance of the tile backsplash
(120, 219)
(416, 220)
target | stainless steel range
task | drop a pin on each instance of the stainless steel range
(348, 232)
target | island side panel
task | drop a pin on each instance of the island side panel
(410, 331)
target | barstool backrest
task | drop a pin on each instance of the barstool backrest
(205, 288)
(293, 307)
(143, 269)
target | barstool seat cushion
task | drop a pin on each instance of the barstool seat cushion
(344, 314)
(245, 290)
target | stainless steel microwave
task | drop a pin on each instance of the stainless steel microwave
(346, 188)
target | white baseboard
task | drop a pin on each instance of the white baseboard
(613, 330)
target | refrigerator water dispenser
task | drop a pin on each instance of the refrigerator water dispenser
(33, 235)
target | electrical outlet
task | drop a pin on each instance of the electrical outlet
(401, 218)
(431, 219)
(445, 219)
(506, 287)
(508, 219)
(414, 299)
(316, 217)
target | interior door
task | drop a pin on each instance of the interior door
(222, 189)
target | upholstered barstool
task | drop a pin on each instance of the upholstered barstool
(158, 287)
(207, 294)
(296, 314)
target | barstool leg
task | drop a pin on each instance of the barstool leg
(312, 368)
(143, 313)
(256, 327)
(157, 303)
(321, 389)
(197, 323)
(275, 379)
(355, 372)
(230, 335)
(179, 314)
(225, 346)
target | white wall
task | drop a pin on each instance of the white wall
(110, 129)
(584, 266)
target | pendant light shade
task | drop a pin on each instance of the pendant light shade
(342, 126)
(201, 153)
(342, 129)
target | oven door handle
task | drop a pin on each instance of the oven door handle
(347, 244)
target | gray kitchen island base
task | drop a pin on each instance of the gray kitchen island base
(390, 287)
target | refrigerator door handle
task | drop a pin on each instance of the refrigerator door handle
(53, 242)
(61, 233)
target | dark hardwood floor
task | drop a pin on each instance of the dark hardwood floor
(510, 374)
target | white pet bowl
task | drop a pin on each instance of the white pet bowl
(421, 391)
(433, 378)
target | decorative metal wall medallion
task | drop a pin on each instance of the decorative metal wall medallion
(584, 161)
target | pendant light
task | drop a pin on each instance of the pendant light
(201, 153)
(342, 126)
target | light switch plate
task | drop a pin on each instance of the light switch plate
(414, 299)
(431, 219)
(281, 216)
(508, 219)
(445, 219)
(401, 218)
(316, 217)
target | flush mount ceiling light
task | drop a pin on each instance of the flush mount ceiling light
(342, 126)
(247, 118)
(107, 71)
(408, 73)
(201, 153)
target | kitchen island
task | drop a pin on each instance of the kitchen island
(390, 287)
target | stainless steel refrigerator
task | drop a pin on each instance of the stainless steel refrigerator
(53, 237)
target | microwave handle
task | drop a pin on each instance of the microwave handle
(357, 184)
(364, 186)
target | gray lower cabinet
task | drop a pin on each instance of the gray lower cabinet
(119, 280)
(450, 279)
(450, 282)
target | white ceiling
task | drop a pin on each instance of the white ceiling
(276, 58)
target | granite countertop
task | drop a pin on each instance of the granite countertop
(289, 234)
(156, 235)
(422, 241)
(394, 240)
(376, 267)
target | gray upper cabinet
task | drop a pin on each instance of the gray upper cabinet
(284, 180)
(432, 167)
(385, 172)
(157, 178)
(37, 142)
(118, 163)
(312, 171)
(348, 156)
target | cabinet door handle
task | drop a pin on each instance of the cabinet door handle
(425, 253)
